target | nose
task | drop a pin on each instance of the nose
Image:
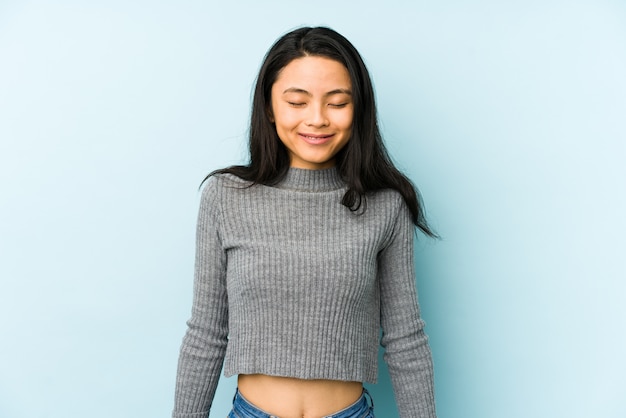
(316, 117)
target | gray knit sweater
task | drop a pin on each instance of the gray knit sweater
(289, 282)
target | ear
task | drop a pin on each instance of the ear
(270, 114)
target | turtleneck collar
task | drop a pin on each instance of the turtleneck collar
(301, 179)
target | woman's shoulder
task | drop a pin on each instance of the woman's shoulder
(217, 186)
(387, 196)
(222, 180)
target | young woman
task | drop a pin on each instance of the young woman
(305, 253)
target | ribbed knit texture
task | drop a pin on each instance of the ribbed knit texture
(289, 282)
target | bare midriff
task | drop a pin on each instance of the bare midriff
(287, 397)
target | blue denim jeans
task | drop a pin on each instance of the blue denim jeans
(360, 409)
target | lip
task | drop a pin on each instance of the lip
(315, 139)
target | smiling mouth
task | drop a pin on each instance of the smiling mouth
(315, 139)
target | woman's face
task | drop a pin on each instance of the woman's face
(312, 110)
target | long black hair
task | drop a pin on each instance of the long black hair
(363, 162)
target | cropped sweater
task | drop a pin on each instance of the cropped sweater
(290, 282)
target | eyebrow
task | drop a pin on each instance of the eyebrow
(330, 93)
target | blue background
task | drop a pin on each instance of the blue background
(509, 115)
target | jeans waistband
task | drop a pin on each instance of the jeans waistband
(242, 408)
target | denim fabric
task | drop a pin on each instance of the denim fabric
(360, 409)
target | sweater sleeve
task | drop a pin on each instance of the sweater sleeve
(407, 352)
(204, 344)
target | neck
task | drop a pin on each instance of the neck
(326, 179)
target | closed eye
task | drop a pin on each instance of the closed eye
(296, 104)
(338, 105)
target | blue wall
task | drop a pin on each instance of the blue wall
(510, 116)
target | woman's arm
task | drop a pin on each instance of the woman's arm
(204, 345)
(407, 352)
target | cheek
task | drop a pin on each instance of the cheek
(345, 122)
(285, 117)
